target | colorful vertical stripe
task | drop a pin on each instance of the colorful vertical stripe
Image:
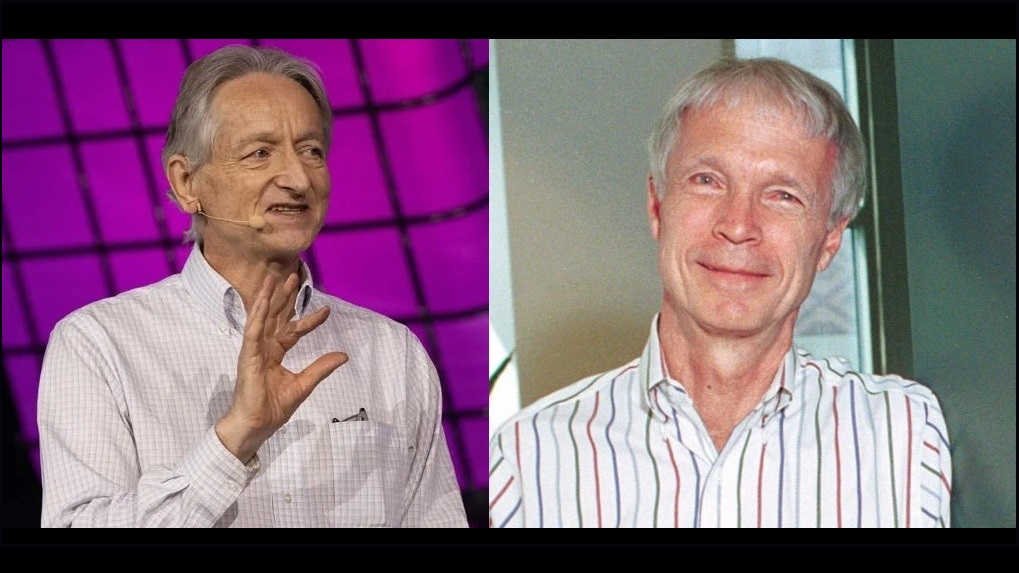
(873, 450)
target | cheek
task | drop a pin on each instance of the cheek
(673, 247)
(322, 183)
(684, 224)
(804, 252)
(221, 189)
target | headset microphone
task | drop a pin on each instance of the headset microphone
(256, 222)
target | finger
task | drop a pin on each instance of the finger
(278, 309)
(259, 311)
(318, 370)
(275, 306)
(251, 355)
(291, 303)
(293, 332)
(310, 322)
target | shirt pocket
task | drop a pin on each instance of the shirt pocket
(370, 464)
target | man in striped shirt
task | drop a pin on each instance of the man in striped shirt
(756, 169)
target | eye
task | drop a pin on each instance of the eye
(313, 156)
(703, 179)
(260, 153)
(785, 198)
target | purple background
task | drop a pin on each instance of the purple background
(85, 213)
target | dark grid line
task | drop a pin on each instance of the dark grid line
(139, 138)
(466, 54)
(185, 49)
(479, 83)
(79, 168)
(408, 253)
(20, 288)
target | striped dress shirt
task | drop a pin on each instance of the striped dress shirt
(826, 447)
(132, 386)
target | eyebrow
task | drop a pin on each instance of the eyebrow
(272, 136)
(312, 134)
(784, 180)
(709, 161)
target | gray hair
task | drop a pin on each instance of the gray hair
(732, 81)
(192, 125)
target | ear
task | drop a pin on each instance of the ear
(182, 180)
(832, 242)
(654, 205)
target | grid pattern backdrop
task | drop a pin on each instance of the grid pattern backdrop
(86, 216)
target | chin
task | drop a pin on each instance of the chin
(732, 329)
(290, 246)
(733, 318)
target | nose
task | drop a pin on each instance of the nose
(736, 221)
(292, 174)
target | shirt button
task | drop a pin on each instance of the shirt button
(287, 498)
(283, 430)
(231, 485)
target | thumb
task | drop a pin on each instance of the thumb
(320, 368)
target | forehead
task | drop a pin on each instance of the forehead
(747, 110)
(749, 125)
(263, 99)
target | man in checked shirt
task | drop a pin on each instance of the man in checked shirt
(756, 169)
(235, 394)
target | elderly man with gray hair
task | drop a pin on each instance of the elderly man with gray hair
(236, 394)
(756, 169)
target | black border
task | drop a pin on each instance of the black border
(402, 18)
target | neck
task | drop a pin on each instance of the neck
(725, 375)
(246, 273)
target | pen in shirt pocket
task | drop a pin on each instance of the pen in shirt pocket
(360, 416)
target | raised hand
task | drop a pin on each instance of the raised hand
(267, 394)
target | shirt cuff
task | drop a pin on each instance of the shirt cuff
(215, 473)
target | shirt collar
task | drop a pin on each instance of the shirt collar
(217, 298)
(653, 371)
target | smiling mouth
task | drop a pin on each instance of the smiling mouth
(287, 209)
(734, 272)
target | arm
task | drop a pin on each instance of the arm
(933, 472)
(433, 495)
(90, 470)
(504, 496)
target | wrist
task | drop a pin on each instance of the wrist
(238, 438)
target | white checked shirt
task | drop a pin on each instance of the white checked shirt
(132, 387)
(826, 447)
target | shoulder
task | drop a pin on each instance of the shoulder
(126, 307)
(356, 316)
(577, 394)
(836, 372)
(355, 324)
